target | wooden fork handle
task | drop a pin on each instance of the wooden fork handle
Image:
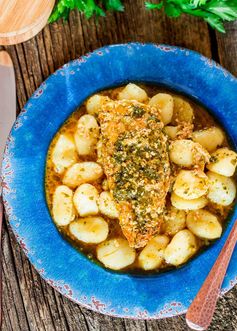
(201, 311)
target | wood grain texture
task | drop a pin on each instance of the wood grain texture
(29, 303)
(227, 48)
(20, 20)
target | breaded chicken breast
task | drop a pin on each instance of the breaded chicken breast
(133, 152)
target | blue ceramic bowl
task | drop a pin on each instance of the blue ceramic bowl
(63, 267)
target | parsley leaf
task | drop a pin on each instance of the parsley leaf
(154, 5)
(172, 10)
(214, 12)
(113, 5)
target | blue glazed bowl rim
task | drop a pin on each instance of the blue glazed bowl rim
(170, 308)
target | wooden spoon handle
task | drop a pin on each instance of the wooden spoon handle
(201, 311)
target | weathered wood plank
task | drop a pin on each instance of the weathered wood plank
(29, 303)
(13, 307)
(227, 47)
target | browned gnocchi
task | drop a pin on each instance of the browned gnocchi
(198, 192)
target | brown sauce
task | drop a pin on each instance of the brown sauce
(202, 120)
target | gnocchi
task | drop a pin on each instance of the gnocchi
(95, 103)
(223, 162)
(85, 200)
(183, 111)
(204, 224)
(90, 230)
(115, 253)
(190, 184)
(63, 209)
(83, 172)
(140, 179)
(222, 190)
(182, 246)
(171, 131)
(187, 153)
(184, 204)
(164, 102)
(152, 256)
(64, 153)
(174, 221)
(107, 205)
(133, 92)
(209, 138)
(86, 135)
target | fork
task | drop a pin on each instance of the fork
(201, 311)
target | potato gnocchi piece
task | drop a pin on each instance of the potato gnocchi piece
(83, 172)
(191, 184)
(204, 224)
(152, 256)
(209, 138)
(90, 230)
(223, 162)
(183, 112)
(107, 205)
(64, 153)
(63, 209)
(85, 200)
(184, 204)
(115, 253)
(94, 103)
(86, 135)
(181, 152)
(222, 190)
(133, 92)
(171, 131)
(181, 248)
(164, 102)
(174, 221)
(187, 153)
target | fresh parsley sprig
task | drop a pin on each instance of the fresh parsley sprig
(88, 7)
(214, 12)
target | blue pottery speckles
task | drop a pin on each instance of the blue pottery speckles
(123, 295)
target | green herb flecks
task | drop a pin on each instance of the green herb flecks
(140, 162)
(137, 111)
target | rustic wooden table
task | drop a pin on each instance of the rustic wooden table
(28, 302)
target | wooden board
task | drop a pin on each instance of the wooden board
(20, 20)
(29, 303)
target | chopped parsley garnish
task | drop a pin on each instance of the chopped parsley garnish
(140, 161)
(137, 111)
